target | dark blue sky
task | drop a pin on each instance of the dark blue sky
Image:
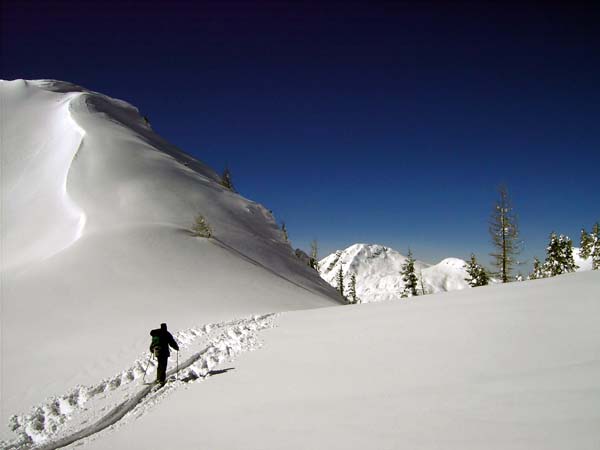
(389, 123)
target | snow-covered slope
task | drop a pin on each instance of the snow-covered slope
(501, 367)
(96, 250)
(377, 270)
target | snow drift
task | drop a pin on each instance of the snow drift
(96, 209)
(377, 269)
(500, 367)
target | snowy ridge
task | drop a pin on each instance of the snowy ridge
(97, 210)
(42, 199)
(377, 270)
(73, 416)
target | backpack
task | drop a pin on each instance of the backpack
(155, 346)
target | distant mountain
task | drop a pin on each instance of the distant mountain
(377, 270)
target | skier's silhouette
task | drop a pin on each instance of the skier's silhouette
(161, 341)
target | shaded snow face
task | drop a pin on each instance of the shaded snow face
(377, 269)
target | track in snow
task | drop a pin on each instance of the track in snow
(61, 421)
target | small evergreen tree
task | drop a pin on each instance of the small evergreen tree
(590, 245)
(314, 255)
(421, 282)
(505, 236)
(596, 250)
(586, 244)
(338, 255)
(352, 297)
(302, 256)
(538, 270)
(226, 179)
(340, 281)
(559, 255)
(285, 233)
(409, 277)
(201, 228)
(477, 274)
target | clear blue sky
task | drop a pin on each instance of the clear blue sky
(353, 121)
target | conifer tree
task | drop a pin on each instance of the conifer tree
(352, 296)
(559, 255)
(285, 233)
(596, 250)
(504, 231)
(477, 276)
(201, 228)
(538, 270)
(408, 276)
(314, 255)
(590, 245)
(421, 282)
(226, 179)
(586, 244)
(338, 255)
(340, 281)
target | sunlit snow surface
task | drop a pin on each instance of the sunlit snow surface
(96, 251)
(500, 367)
(80, 412)
(96, 248)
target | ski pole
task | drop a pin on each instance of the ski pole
(147, 365)
(177, 372)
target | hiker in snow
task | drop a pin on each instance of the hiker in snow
(161, 341)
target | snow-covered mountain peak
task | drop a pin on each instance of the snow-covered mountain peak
(455, 263)
(364, 255)
(377, 270)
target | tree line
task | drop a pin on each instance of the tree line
(504, 232)
(507, 245)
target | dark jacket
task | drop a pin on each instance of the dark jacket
(165, 341)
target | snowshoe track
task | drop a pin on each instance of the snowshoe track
(60, 421)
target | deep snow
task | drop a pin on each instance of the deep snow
(96, 248)
(85, 411)
(499, 367)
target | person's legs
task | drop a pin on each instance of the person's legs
(161, 371)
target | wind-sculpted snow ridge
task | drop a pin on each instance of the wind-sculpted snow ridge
(41, 217)
(87, 410)
(96, 217)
